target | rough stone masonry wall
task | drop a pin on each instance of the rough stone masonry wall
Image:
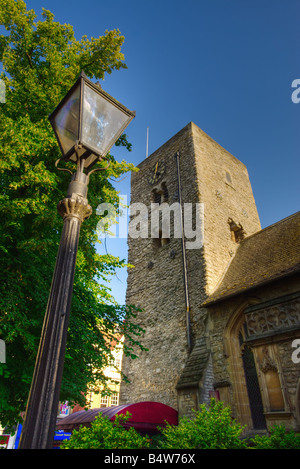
(156, 282)
(158, 289)
(220, 315)
(223, 198)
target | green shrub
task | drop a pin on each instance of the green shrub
(278, 438)
(106, 434)
(211, 428)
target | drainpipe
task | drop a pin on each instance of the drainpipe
(184, 263)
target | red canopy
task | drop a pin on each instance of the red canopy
(145, 416)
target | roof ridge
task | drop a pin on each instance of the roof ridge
(239, 277)
(270, 226)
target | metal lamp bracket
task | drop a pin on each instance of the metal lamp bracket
(62, 169)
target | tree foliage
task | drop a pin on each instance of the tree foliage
(41, 59)
(278, 437)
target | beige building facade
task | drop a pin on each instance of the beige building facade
(206, 288)
(96, 397)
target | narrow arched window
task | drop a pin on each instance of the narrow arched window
(160, 196)
(165, 193)
(156, 196)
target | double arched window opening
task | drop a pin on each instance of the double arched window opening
(160, 195)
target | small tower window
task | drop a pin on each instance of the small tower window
(156, 196)
(160, 196)
(160, 241)
(165, 193)
(228, 178)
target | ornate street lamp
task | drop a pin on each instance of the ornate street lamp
(87, 123)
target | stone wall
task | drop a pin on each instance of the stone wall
(170, 371)
(156, 285)
(273, 338)
(214, 178)
(225, 189)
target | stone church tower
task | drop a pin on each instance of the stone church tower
(173, 276)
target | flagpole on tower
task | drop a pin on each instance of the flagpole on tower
(147, 144)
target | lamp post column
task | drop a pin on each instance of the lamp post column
(42, 407)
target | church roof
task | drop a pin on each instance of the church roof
(268, 255)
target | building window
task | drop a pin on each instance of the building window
(160, 196)
(160, 241)
(228, 177)
(114, 399)
(156, 196)
(104, 401)
(165, 193)
(115, 362)
(118, 363)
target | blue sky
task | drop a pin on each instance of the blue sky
(228, 66)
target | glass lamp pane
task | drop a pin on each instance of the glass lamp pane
(66, 121)
(102, 122)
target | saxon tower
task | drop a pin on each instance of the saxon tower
(172, 276)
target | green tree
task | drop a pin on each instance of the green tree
(41, 60)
